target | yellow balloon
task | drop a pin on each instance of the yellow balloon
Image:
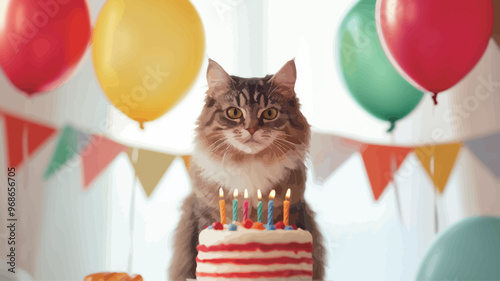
(147, 54)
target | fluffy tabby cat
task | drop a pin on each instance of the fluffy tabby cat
(251, 134)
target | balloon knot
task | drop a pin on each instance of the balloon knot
(434, 98)
(393, 125)
(141, 125)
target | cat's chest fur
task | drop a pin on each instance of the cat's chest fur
(251, 175)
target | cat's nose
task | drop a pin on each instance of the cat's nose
(251, 130)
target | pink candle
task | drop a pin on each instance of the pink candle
(245, 206)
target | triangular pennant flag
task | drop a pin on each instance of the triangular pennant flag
(150, 167)
(187, 161)
(487, 150)
(14, 128)
(70, 142)
(444, 156)
(378, 160)
(328, 153)
(37, 134)
(97, 156)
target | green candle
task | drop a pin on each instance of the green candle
(259, 206)
(235, 206)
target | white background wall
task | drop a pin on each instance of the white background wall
(66, 233)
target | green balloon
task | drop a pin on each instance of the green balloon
(368, 73)
(469, 250)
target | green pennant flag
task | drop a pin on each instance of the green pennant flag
(70, 142)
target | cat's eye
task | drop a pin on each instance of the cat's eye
(234, 113)
(270, 113)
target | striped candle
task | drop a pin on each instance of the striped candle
(259, 206)
(270, 208)
(235, 205)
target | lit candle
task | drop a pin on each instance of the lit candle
(259, 206)
(286, 207)
(270, 208)
(222, 205)
(235, 206)
(245, 205)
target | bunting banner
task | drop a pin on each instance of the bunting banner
(328, 153)
(378, 160)
(487, 150)
(97, 152)
(438, 161)
(70, 143)
(37, 134)
(326, 161)
(97, 156)
(150, 167)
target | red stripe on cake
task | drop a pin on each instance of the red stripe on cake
(263, 261)
(294, 247)
(254, 274)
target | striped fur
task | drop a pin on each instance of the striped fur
(228, 155)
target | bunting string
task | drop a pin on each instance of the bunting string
(394, 184)
(135, 156)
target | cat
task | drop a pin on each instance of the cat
(250, 135)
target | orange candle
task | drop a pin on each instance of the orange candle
(222, 205)
(286, 207)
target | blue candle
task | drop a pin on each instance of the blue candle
(270, 208)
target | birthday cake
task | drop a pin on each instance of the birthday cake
(249, 252)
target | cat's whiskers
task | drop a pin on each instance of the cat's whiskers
(286, 144)
(218, 146)
(218, 141)
(229, 148)
(212, 137)
(278, 146)
(291, 137)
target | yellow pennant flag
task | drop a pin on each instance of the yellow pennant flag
(444, 156)
(187, 161)
(150, 167)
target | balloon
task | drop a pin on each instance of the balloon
(147, 54)
(370, 77)
(41, 42)
(434, 44)
(469, 250)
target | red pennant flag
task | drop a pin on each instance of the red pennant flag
(97, 156)
(37, 136)
(377, 159)
(14, 129)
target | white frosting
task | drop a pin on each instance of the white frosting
(224, 268)
(251, 255)
(210, 237)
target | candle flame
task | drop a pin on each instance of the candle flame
(235, 194)
(259, 194)
(272, 194)
(221, 193)
(246, 194)
(287, 196)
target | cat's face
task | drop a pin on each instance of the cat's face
(252, 116)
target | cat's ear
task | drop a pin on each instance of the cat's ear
(217, 77)
(285, 77)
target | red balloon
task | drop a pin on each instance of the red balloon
(434, 43)
(42, 41)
